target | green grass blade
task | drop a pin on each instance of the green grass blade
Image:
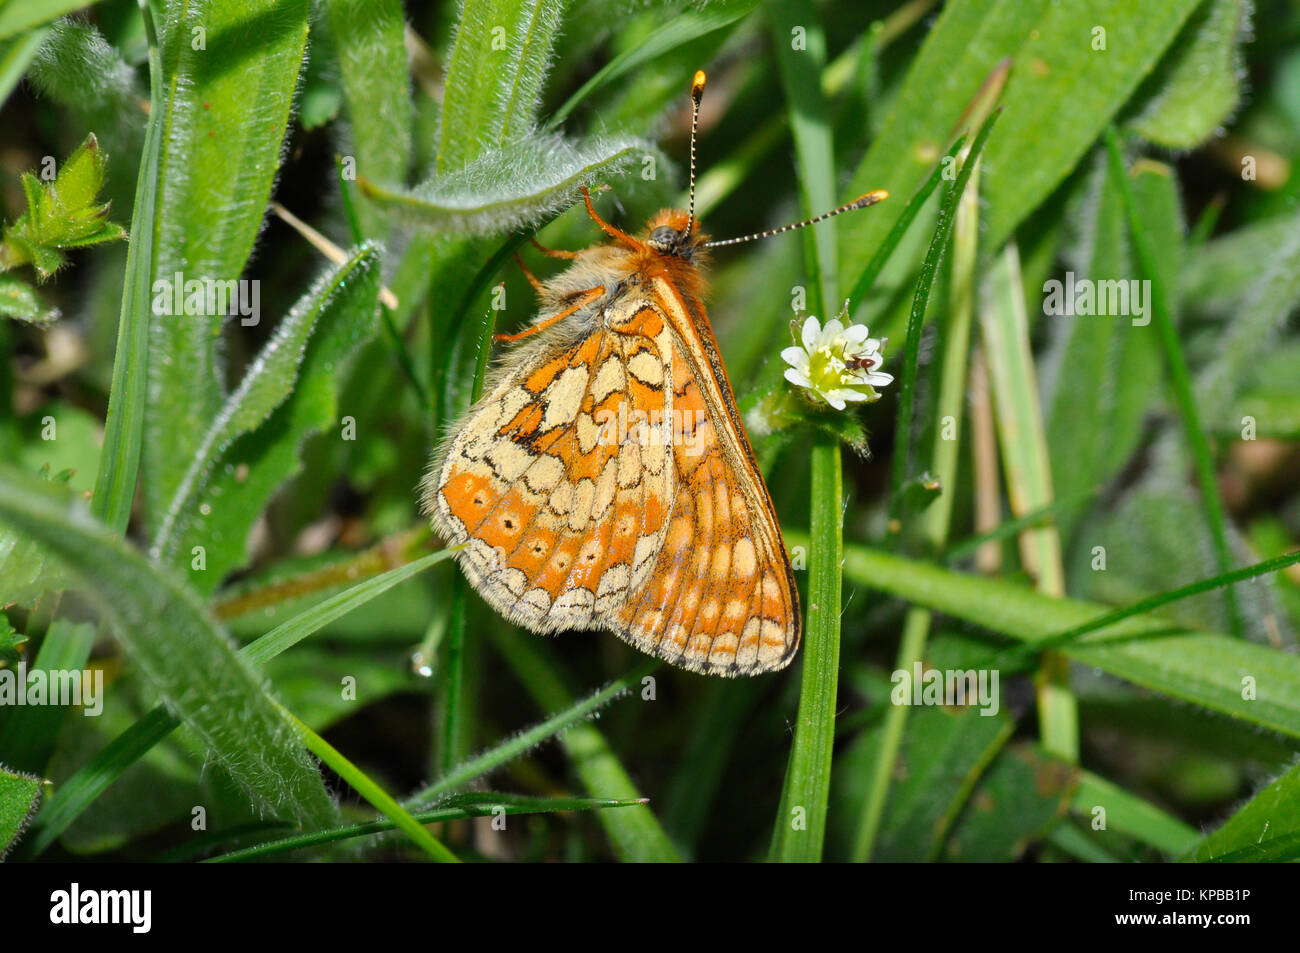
(681, 29)
(635, 833)
(81, 790)
(1128, 814)
(920, 301)
(1179, 376)
(481, 804)
(119, 461)
(15, 56)
(17, 16)
(380, 799)
(1205, 669)
(28, 733)
(1004, 327)
(800, 827)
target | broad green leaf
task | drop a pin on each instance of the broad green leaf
(245, 467)
(1271, 296)
(25, 569)
(1038, 141)
(1205, 669)
(943, 754)
(1267, 828)
(342, 294)
(1196, 87)
(495, 70)
(19, 796)
(186, 656)
(222, 120)
(1017, 802)
(518, 185)
(1220, 274)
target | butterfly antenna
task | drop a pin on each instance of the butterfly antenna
(862, 201)
(697, 94)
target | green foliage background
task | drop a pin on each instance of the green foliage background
(222, 518)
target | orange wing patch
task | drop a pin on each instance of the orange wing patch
(561, 498)
(720, 599)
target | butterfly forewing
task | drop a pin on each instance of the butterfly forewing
(721, 598)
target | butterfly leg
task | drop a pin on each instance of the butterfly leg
(532, 278)
(588, 296)
(618, 236)
(552, 252)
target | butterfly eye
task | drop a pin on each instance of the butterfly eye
(664, 238)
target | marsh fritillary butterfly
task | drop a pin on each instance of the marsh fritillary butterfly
(605, 479)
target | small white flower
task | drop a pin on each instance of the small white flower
(836, 363)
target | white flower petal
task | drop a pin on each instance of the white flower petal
(795, 357)
(880, 379)
(832, 331)
(853, 395)
(834, 400)
(798, 378)
(812, 329)
(855, 333)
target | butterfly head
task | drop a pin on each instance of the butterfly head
(674, 233)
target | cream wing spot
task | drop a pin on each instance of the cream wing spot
(509, 460)
(609, 378)
(647, 368)
(563, 397)
(545, 474)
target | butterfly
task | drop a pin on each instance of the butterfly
(605, 480)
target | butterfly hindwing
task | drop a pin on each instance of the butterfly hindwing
(558, 494)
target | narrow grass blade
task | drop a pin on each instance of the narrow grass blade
(800, 827)
(81, 790)
(1127, 814)
(17, 16)
(28, 735)
(119, 460)
(380, 799)
(635, 832)
(518, 745)
(1206, 669)
(1179, 376)
(683, 28)
(920, 301)
(482, 804)
(1004, 328)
